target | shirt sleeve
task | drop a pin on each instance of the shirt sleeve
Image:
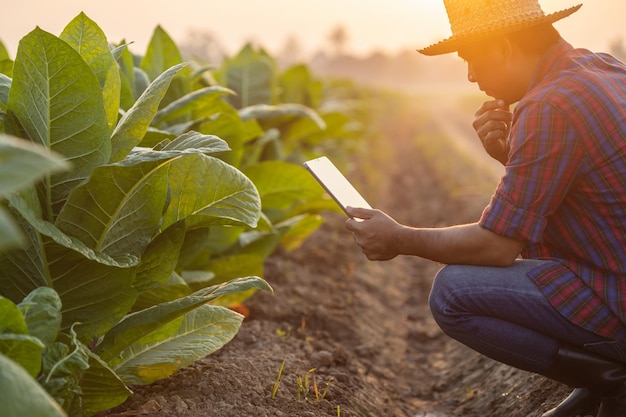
(544, 163)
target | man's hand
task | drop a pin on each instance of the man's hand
(375, 232)
(492, 123)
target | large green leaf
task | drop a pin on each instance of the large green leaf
(127, 78)
(160, 258)
(21, 395)
(201, 332)
(119, 209)
(84, 35)
(101, 389)
(10, 235)
(23, 162)
(173, 288)
(57, 99)
(147, 325)
(298, 86)
(23, 349)
(22, 270)
(133, 125)
(194, 140)
(11, 319)
(252, 75)
(224, 269)
(277, 115)
(4, 54)
(281, 184)
(162, 53)
(206, 191)
(93, 294)
(200, 102)
(227, 124)
(37, 228)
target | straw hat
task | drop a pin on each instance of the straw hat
(471, 20)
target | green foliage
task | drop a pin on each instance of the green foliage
(21, 395)
(167, 193)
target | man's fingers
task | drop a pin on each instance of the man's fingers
(359, 213)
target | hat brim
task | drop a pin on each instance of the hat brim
(453, 43)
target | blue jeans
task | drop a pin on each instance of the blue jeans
(501, 313)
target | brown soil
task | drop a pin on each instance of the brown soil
(360, 328)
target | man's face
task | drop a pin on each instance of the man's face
(486, 66)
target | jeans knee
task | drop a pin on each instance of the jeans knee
(441, 297)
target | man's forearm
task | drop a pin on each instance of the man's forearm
(467, 244)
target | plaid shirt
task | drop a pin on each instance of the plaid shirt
(564, 190)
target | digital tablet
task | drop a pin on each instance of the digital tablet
(335, 183)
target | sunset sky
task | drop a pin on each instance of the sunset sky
(370, 24)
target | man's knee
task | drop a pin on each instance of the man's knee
(442, 295)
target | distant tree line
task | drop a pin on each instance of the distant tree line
(406, 69)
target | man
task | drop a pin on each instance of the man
(539, 281)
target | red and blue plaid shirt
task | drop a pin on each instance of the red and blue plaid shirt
(564, 190)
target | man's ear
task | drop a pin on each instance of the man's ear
(504, 49)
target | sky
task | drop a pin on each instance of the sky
(371, 25)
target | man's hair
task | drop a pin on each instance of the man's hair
(535, 40)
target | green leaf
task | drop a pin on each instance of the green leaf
(4, 54)
(23, 349)
(57, 99)
(281, 184)
(10, 234)
(21, 395)
(133, 125)
(120, 344)
(39, 228)
(119, 209)
(162, 53)
(206, 191)
(42, 314)
(11, 318)
(298, 86)
(274, 116)
(252, 75)
(63, 366)
(138, 325)
(84, 35)
(160, 258)
(127, 78)
(198, 141)
(227, 125)
(198, 102)
(298, 229)
(22, 163)
(173, 288)
(224, 269)
(23, 270)
(202, 332)
(101, 388)
(93, 294)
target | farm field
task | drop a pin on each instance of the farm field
(342, 336)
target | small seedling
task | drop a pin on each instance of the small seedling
(304, 386)
(277, 382)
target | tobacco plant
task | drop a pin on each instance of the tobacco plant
(102, 235)
(178, 183)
